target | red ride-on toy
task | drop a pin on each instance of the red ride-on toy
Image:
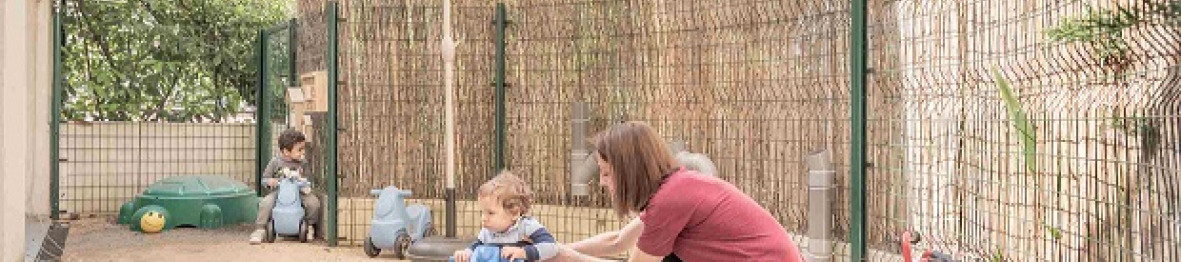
(930, 256)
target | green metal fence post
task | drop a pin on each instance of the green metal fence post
(501, 22)
(262, 114)
(858, 45)
(333, 42)
(55, 119)
(292, 73)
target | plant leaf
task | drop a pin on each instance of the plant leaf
(1020, 122)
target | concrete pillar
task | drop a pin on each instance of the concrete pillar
(40, 46)
(14, 126)
(820, 190)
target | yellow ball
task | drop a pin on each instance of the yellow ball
(151, 222)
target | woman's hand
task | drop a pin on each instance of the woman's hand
(462, 255)
(511, 253)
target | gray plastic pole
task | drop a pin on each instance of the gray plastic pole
(820, 188)
(582, 165)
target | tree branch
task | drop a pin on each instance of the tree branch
(160, 107)
(104, 47)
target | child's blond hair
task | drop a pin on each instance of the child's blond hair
(512, 192)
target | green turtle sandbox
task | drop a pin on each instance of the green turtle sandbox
(199, 201)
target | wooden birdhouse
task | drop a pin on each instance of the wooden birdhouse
(315, 90)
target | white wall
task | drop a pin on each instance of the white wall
(25, 69)
(41, 68)
(14, 165)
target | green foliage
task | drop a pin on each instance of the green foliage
(1101, 28)
(161, 60)
(1145, 128)
(1104, 29)
(278, 71)
(1055, 232)
(1020, 122)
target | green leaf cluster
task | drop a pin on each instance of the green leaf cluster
(161, 60)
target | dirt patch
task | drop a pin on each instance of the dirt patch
(100, 239)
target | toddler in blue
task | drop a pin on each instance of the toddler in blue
(504, 202)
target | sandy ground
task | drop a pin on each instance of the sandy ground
(100, 239)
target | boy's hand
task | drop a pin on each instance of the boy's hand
(463, 255)
(511, 253)
(271, 182)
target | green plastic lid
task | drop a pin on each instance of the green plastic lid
(193, 186)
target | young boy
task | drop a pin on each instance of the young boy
(288, 163)
(503, 202)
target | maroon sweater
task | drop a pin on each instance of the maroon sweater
(704, 218)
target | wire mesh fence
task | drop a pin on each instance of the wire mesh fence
(105, 164)
(708, 74)
(391, 102)
(1040, 130)
(138, 105)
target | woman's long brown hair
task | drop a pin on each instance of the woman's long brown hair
(640, 160)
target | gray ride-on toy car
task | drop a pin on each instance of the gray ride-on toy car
(395, 225)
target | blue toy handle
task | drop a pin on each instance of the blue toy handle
(487, 253)
(301, 183)
(403, 193)
(452, 259)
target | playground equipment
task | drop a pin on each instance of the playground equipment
(396, 226)
(200, 201)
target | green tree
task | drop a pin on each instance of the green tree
(162, 60)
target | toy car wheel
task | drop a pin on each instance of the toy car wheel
(401, 244)
(370, 249)
(269, 237)
(303, 232)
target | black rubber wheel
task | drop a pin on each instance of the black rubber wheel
(401, 244)
(303, 232)
(370, 249)
(269, 237)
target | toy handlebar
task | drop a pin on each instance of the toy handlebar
(300, 182)
(403, 193)
(487, 253)
(452, 259)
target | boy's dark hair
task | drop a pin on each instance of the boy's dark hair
(289, 138)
